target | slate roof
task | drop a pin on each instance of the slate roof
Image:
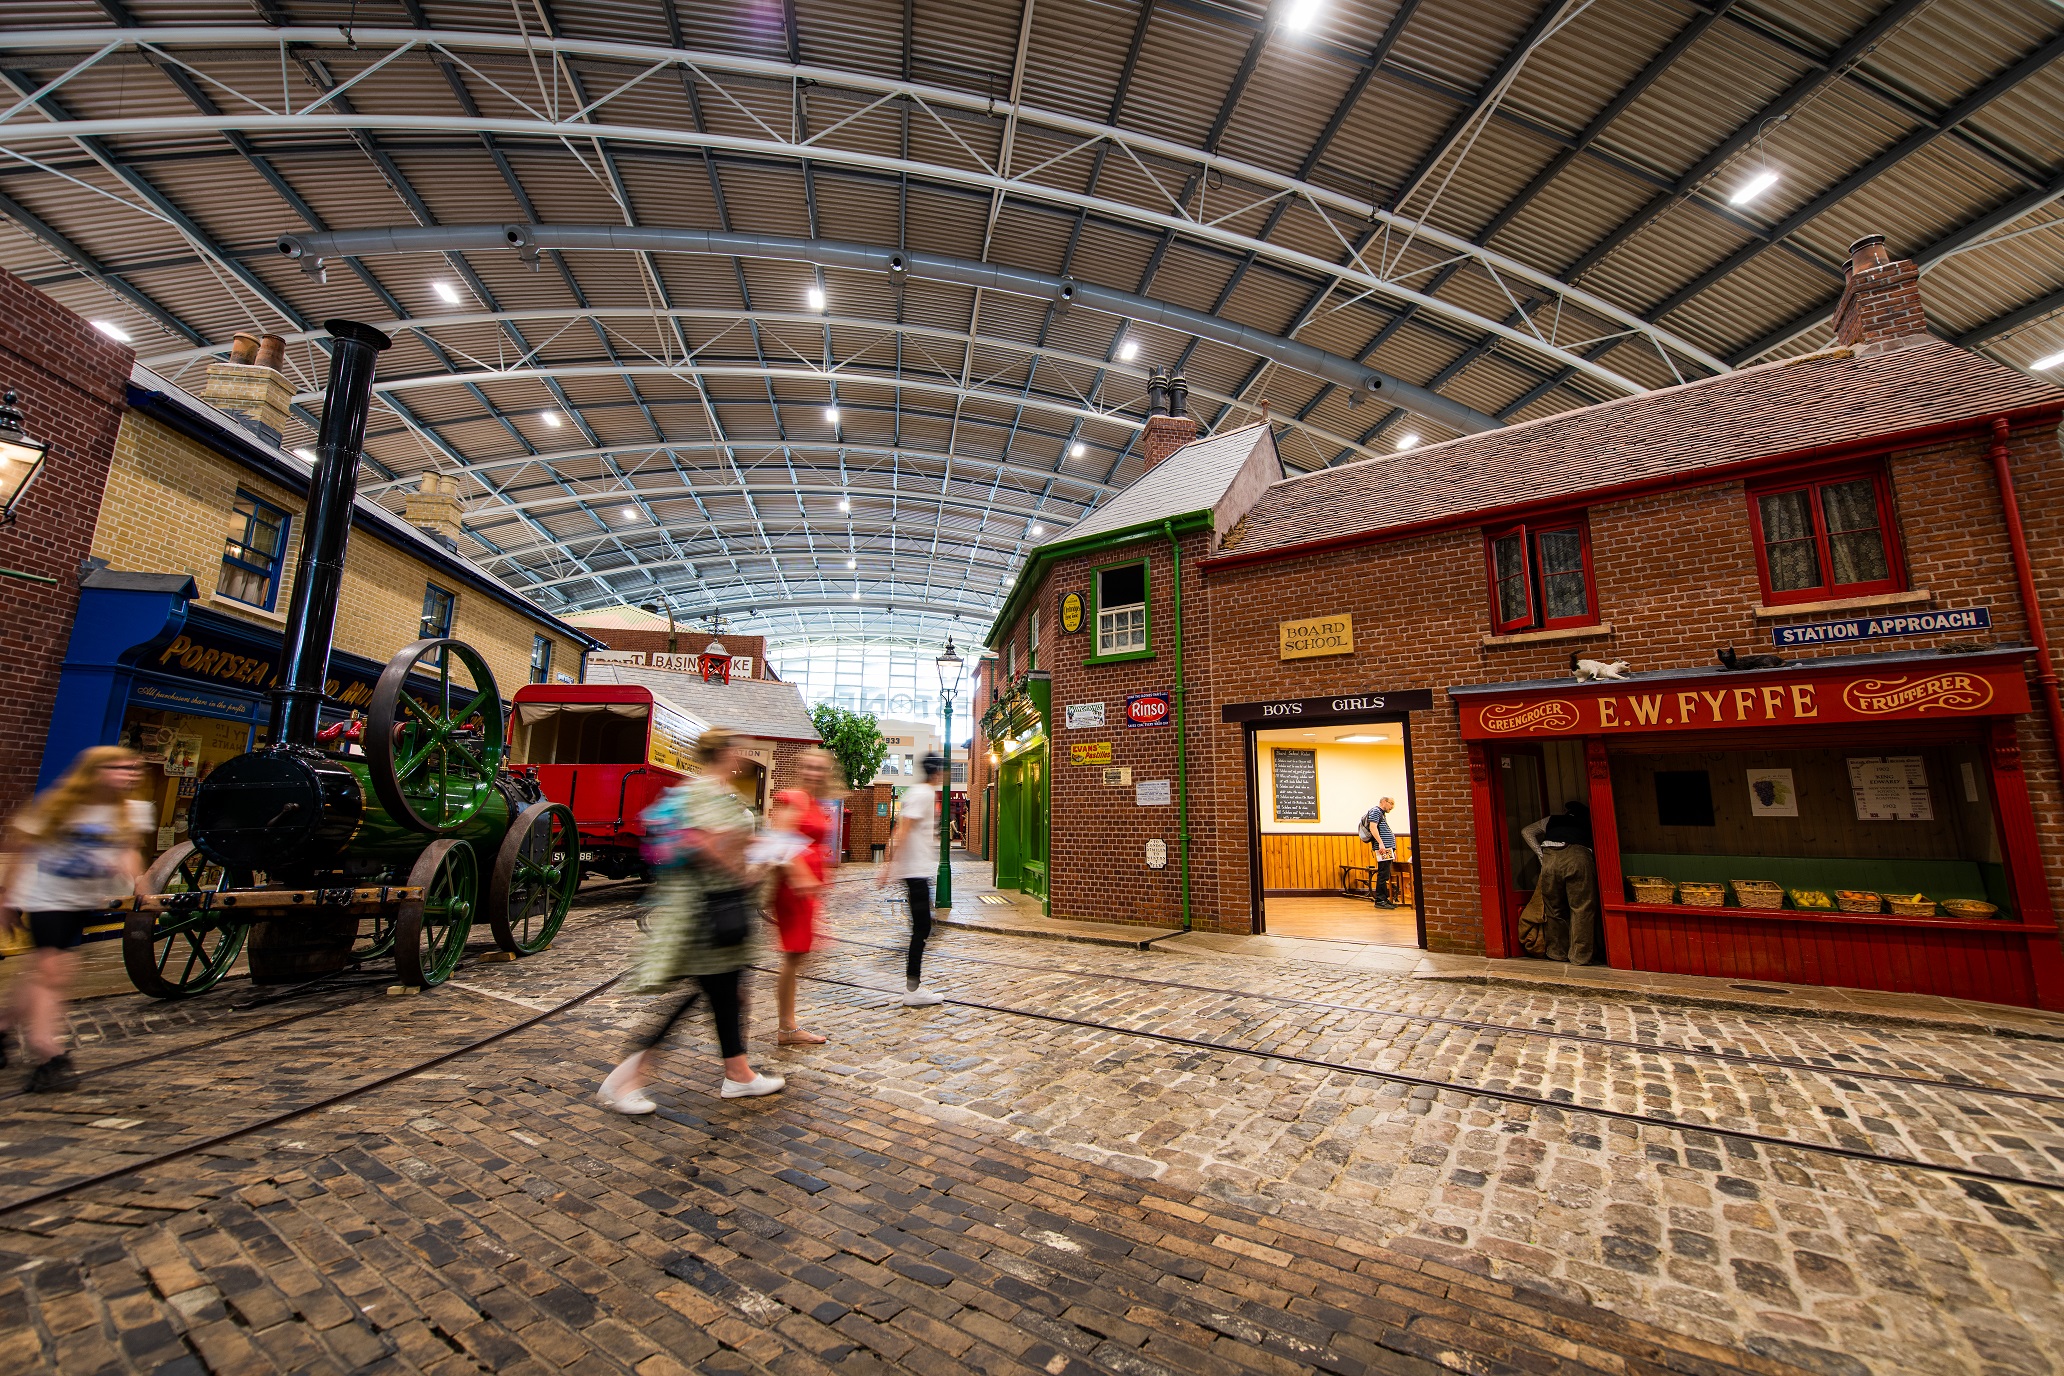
(766, 708)
(1193, 478)
(1764, 412)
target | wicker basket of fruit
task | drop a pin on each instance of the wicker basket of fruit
(1812, 900)
(1650, 888)
(1858, 901)
(1758, 893)
(1701, 895)
(1910, 904)
(1969, 909)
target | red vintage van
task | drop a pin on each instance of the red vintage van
(606, 751)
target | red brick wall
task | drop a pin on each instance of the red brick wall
(869, 829)
(71, 380)
(1675, 577)
(975, 838)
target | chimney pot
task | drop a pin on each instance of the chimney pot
(1178, 396)
(243, 348)
(272, 352)
(1157, 393)
(1869, 252)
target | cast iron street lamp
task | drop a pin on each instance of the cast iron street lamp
(949, 667)
(21, 458)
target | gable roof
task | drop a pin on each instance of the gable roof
(765, 708)
(1789, 407)
(1193, 478)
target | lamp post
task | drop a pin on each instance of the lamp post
(950, 666)
(21, 458)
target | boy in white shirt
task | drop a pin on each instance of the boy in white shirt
(913, 857)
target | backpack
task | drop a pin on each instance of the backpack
(1363, 831)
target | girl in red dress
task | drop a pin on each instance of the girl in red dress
(798, 888)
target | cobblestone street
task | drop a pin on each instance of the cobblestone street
(1089, 1160)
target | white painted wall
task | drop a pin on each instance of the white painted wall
(1351, 779)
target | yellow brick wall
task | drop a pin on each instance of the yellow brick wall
(167, 509)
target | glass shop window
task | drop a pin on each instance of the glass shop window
(254, 553)
(438, 606)
(1834, 538)
(1121, 601)
(1540, 576)
(540, 659)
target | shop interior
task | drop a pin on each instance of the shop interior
(1312, 786)
(1913, 821)
(178, 752)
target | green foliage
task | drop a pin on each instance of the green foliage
(855, 738)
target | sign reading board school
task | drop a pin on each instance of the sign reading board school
(1310, 637)
(1930, 689)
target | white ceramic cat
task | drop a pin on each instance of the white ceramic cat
(1594, 670)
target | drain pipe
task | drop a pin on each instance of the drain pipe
(2024, 574)
(1182, 773)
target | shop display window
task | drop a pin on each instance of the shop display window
(1879, 828)
(1831, 538)
(1540, 576)
(1121, 610)
(253, 553)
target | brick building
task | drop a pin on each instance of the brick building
(1857, 510)
(193, 551)
(69, 381)
(633, 631)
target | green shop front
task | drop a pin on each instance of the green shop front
(1018, 727)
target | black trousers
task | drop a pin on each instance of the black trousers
(920, 891)
(722, 992)
(1383, 870)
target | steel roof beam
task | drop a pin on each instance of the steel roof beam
(91, 267)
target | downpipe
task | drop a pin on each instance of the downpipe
(1182, 753)
(2024, 575)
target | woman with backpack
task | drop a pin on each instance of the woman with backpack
(706, 905)
(69, 853)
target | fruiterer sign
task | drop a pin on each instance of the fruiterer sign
(1147, 709)
(1926, 690)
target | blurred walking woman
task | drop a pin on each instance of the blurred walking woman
(706, 905)
(71, 851)
(799, 884)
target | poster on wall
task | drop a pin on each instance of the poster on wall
(1772, 793)
(1082, 715)
(1891, 788)
(1150, 793)
(183, 757)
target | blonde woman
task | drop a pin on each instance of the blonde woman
(70, 852)
(799, 884)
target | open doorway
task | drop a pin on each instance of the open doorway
(1310, 786)
(1533, 780)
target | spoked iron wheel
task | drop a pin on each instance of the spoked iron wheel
(430, 932)
(433, 745)
(535, 874)
(175, 955)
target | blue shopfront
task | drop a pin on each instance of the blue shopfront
(185, 685)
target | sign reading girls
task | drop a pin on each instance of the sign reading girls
(1919, 689)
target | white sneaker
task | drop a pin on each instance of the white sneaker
(923, 998)
(753, 1088)
(631, 1101)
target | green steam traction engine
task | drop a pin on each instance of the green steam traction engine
(312, 861)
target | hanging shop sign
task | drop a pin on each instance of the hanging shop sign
(1073, 612)
(1084, 715)
(1148, 709)
(1310, 637)
(1094, 752)
(1318, 709)
(1904, 688)
(1883, 627)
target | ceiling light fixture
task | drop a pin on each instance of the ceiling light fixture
(852, 563)
(1753, 187)
(1360, 740)
(446, 293)
(831, 415)
(856, 594)
(1129, 350)
(304, 452)
(550, 418)
(113, 331)
(1038, 529)
(1408, 440)
(845, 504)
(1298, 15)
(816, 298)
(629, 513)
(1077, 449)
(2052, 361)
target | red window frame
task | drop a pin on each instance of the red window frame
(1530, 533)
(1827, 589)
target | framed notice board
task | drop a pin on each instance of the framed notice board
(1297, 785)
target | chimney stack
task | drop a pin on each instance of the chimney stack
(250, 388)
(1169, 426)
(1880, 307)
(433, 508)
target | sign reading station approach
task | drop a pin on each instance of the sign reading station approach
(1314, 636)
(1883, 627)
(1905, 690)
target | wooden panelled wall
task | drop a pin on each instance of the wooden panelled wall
(1304, 862)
